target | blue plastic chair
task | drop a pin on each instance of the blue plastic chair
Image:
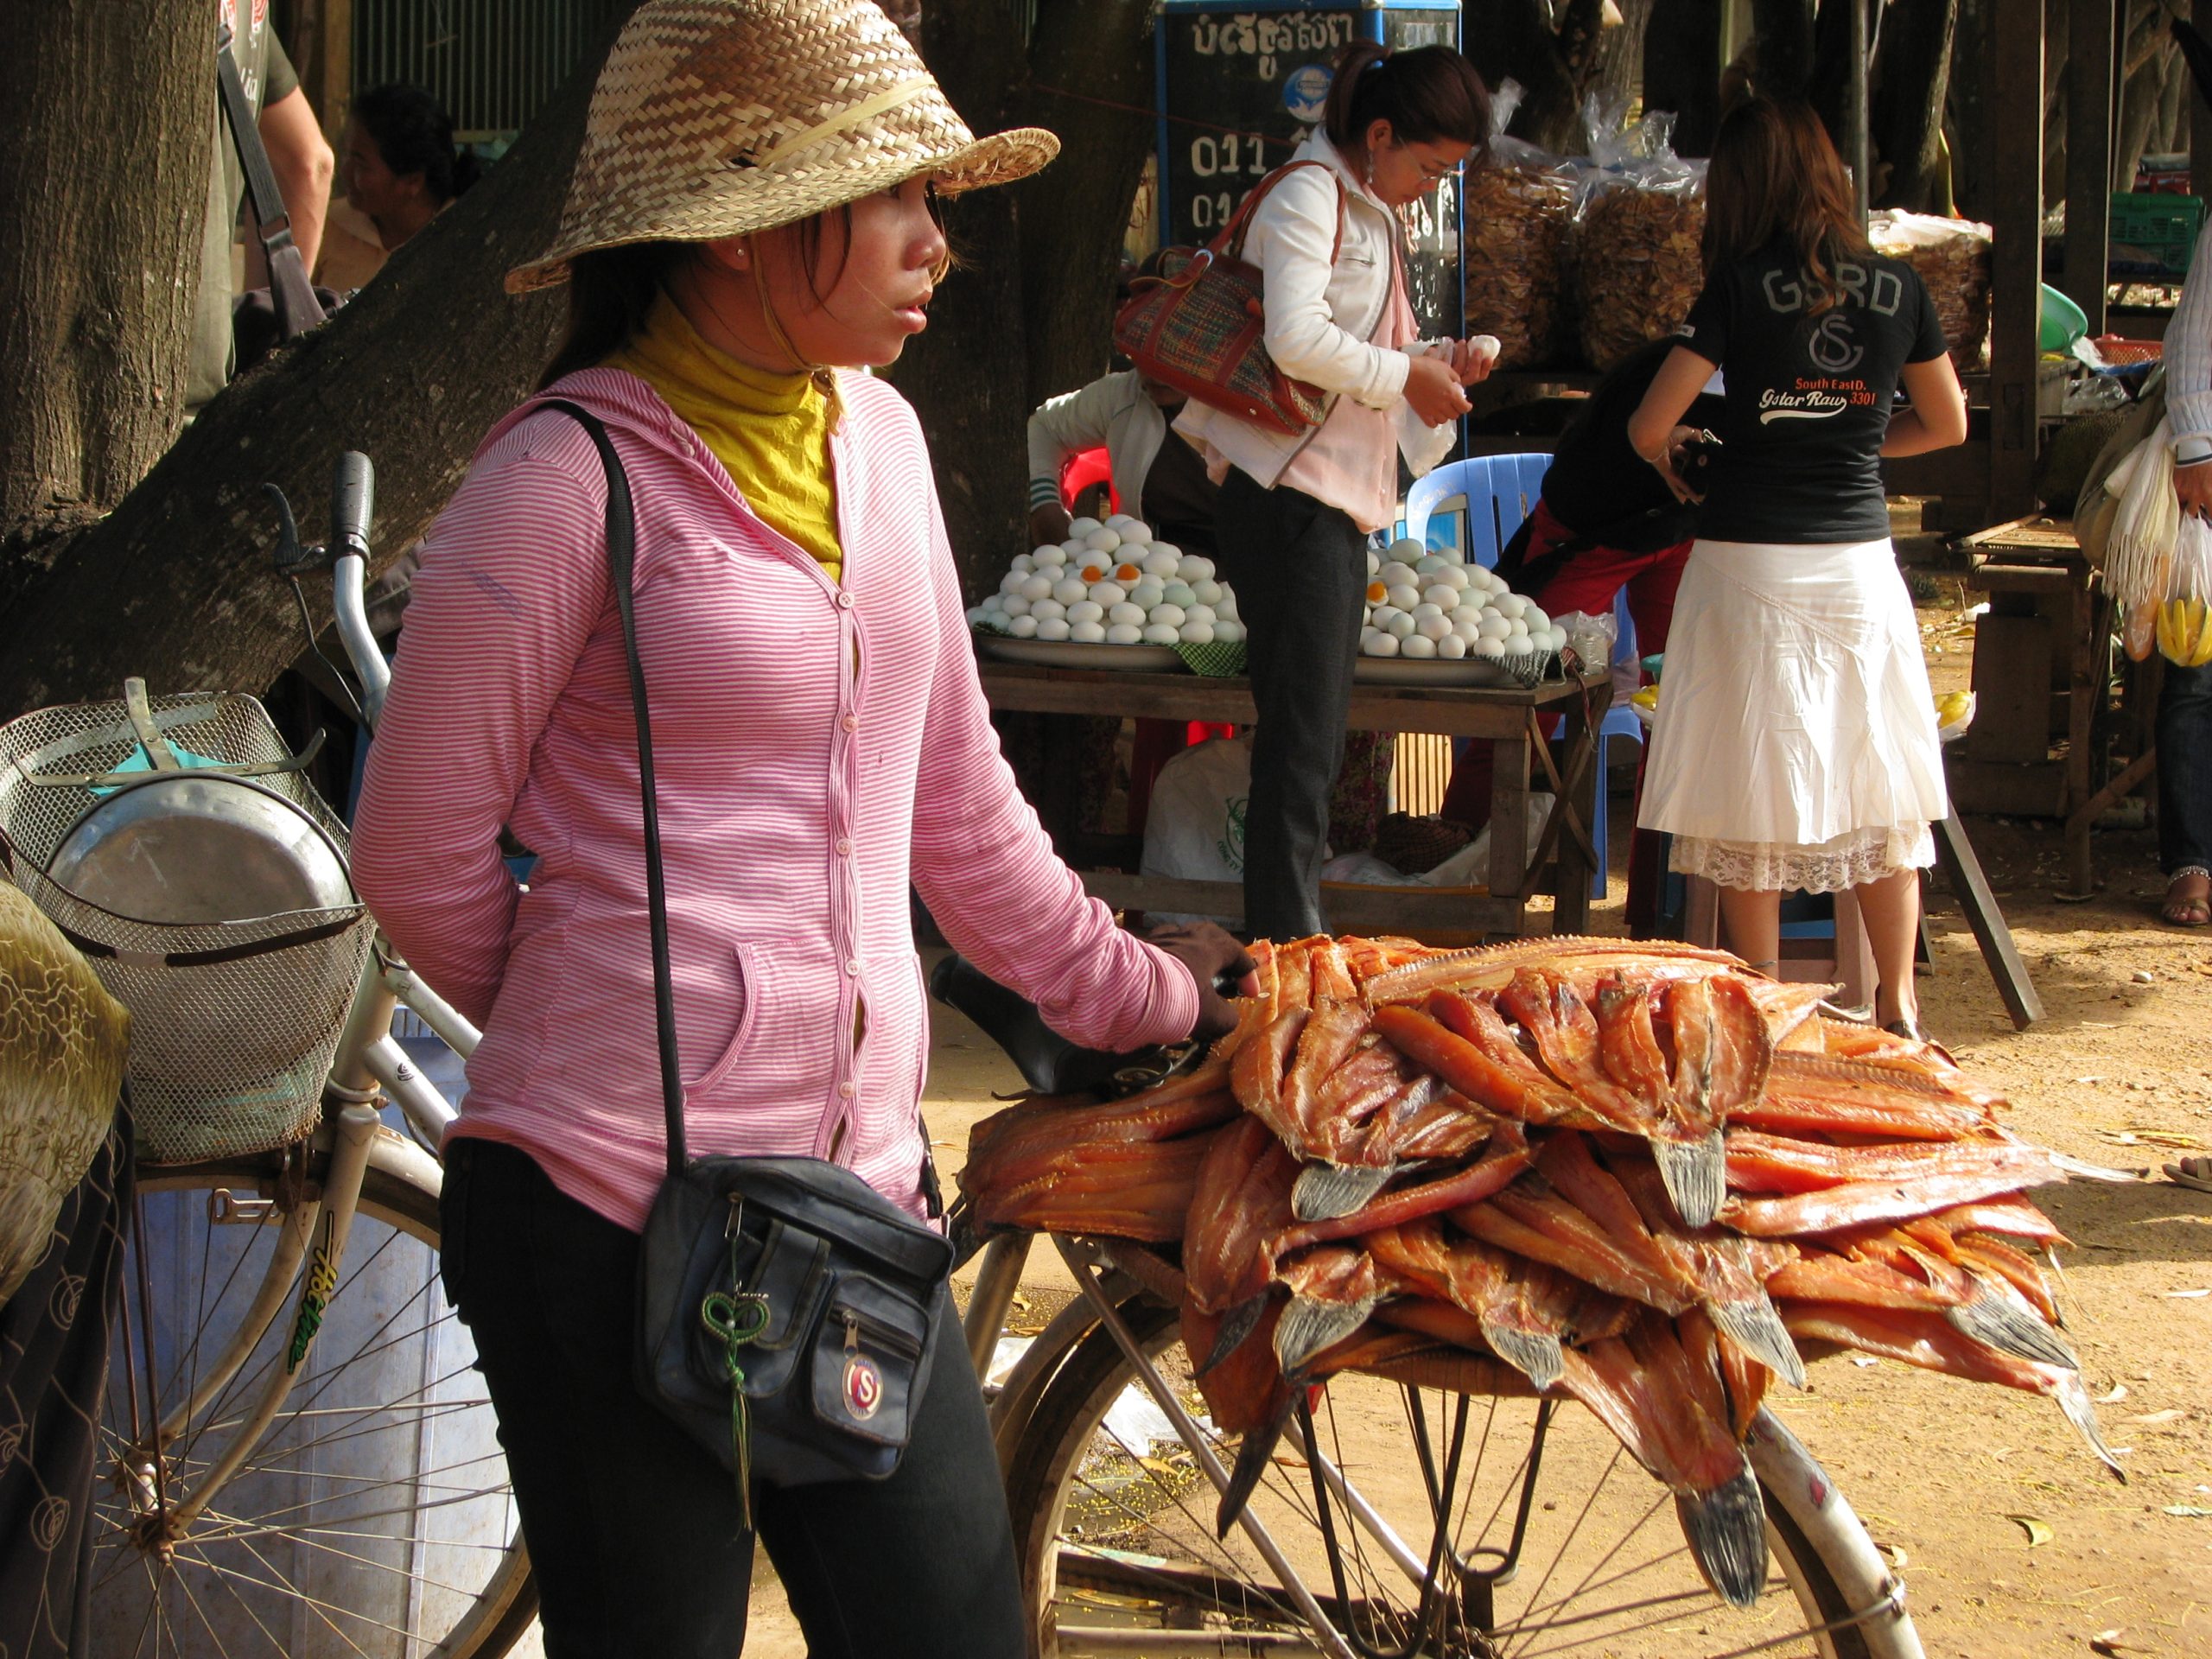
(1500, 493)
(1500, 490)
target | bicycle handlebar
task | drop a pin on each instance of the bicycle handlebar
(352, 504)
(352, 507)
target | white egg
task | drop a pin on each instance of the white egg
(1395, 574)
(1481, 581)
(1103, 541)
(1373, 561)
(1075, 549)
(975, 614)
(1161, 563)
(1511, 605)
(1228, 633)
(1054, 627)
(1558, 638)
(1124, 633)
(1107, 593)
(1015, 605)
(1406, 550)
(994, 602)
(1169, 548)
(1011, 583)
(1178, 593)
(1134, 535)
(1048, 610)
(1426, 609)
(1086, 610)
(1381, 616)
(1127, 611)
(1487, 647)
(1493, 627)
(1070, 590)
(1048, 554)
(1035, 587)
(1158, 634)
(1081, 527)
(1196, 633)
(1199, 614)
(1381, 644)
(1434, 627)
(1415, 645)
(1023, 627)
(1168, 615)
(1451, 647)
(1534, 617)
(1455, 576)
(1116, 520)
(1024, 564)
(1429, 563)
(1148, 591)
(1224, 608)
(1465, 625)
(1206, 591)
(1441, 595)
(1404, 596)
(1401, 624)
(1196, 568)
(1366, 634)
(1087, 633)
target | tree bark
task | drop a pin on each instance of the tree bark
(1681, 69)
(1906, 122)
(1515, 39)
(173, 584)
(97, 284)
(1784, 30)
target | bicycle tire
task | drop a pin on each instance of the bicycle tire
(1062, 1428)
(262, 1609)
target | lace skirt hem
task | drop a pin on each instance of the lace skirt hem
(1851, 860)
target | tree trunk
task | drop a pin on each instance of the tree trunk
(1617, 68)
(1514, 38)
(1783, 29)
(95, 324)
(1681, 69)
(1906, 122)
(173, 584)
(1966, 118)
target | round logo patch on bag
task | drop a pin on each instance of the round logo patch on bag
(863, 1388)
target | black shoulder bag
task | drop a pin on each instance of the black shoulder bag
(784, 1306)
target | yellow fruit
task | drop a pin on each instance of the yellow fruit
(2166, 646)
(2200, 646)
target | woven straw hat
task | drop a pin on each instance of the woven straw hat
(719, 118)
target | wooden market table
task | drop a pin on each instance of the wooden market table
(1514, 721)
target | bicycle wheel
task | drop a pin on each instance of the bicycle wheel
(1119, 1554)
(371, 1515)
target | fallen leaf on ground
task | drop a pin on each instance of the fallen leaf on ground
(2187, 1511)
(2038, 1530)
(2108, 1644)
(2119, 1392)
(2186, 1295)
(2165, 1416)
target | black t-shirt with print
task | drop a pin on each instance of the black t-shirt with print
(1808, 396)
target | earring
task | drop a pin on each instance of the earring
(1371, 174)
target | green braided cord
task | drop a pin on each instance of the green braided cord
(736, 1320)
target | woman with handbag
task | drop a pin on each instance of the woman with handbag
(1794, 746)
(1297, 509)
(690, 628)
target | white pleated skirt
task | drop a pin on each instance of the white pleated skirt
(1795, 743)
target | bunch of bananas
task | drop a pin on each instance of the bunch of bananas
(2185, 632)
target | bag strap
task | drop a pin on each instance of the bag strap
(289, 290)
(1231, 238)
(621, 552)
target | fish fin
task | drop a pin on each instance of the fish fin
(1307, 1326)
(2073, 1400)
(1235, 1325)
(1696, 1176)
(1726, 1529)
(1253, 1457)
(1536, 1354)
(1756, 1326)
(2002, 1319)
(1325, 1191)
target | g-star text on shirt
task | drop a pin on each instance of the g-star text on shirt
(1815, 405)
(1881, 292)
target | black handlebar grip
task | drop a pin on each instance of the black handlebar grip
(353, 503)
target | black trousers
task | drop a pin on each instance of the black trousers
(633, 1529)
(2184, 767)
(1299, 567)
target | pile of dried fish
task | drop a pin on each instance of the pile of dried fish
(1518, 213)
(1637, 269)
(1636, 1175)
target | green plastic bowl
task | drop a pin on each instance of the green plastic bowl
(2062, 323)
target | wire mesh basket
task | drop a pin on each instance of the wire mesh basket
(233, 1022)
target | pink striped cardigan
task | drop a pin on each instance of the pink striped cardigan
(817, 746)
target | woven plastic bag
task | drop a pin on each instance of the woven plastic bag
(1520, 218)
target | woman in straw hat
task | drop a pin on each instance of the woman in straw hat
(751, 218)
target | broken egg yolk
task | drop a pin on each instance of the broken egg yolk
(1376, 593)
(1093, 573)
(1126, 573)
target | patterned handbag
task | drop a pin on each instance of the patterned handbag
(1198, 325)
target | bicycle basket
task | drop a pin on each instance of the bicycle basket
(233, 1023)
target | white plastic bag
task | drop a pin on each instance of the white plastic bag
(1194, 829)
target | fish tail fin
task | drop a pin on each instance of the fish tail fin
(2073, 1400)
(1324, 1192)
(1308, 1326)
(1696, 1176)
(1726, 1529)
(1235, 1326)
(2002, 1319)
(1253, 1457)
(1755, 1325)
(1537, 1355)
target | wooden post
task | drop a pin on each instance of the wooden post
(1854, 109)
(2016, 74)
(2089, 183)
(2200, 145)
(337, 68)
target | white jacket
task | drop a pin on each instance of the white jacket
(1115, 410)
(1320, 317)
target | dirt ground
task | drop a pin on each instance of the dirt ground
(2014, 1541)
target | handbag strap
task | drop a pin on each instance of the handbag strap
(1231, 238)
(621, 552)
(290, 291)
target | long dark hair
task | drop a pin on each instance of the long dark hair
(1775, 177)
(1430, 94)
(414, 134)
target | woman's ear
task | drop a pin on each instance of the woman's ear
(729, 253)
(1379, 135)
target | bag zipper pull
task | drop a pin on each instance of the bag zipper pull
(736, 1317)
(852, 1335)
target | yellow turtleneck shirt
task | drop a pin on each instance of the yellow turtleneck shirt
(769, 430)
